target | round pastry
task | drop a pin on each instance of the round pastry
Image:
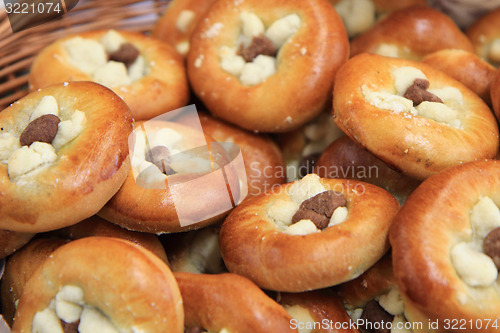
(485, 37)
(465, 12)
(172, 185)
(345, 159)
(412, 116)
(18, 270)
(317, 311)
(373, 299)
(445, 247)
(178, 22)
(302, 147)
(309, 234)
(63, 155)
(466, 67)
(264, 165)
(148, 74)
(96, 226)
(195, 251)
(11, 241)
(100, 284)
(229, 303)
(267, 66)
(360, 15)
(411, 33)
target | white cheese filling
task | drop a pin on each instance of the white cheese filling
(358, 15)
(471, 264)
(263, 66)
(281, 211)
(146, 172)
(69, 306)
(303, 316)
(22, 160)
(494, 51)
(90, 56)
(444, 113)
(184, 20)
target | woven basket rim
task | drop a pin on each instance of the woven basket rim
(18, 50)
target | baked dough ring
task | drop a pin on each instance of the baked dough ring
(321, 307)
(96, 226)
(411, 33)
(11, 241)
(129, 285)
(178, 22)
(374, 282)
(306, 64)
(360, 16)
(163, 89)
(18, 270)
(466, 67)
(418, 146)
(345, 159)
(495, 94)
(155, 210)
(253, 245)
(87, 171)
(435, 218)
(484, 35)
(230, 301)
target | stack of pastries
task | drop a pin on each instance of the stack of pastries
(340, 174)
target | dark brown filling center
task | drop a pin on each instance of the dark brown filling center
(160, 156)
(71, 327)
(374, 313)
(42, 129)
(491, 246)
(319, 209)
(259, 45)
(418, 93)
(127, 53)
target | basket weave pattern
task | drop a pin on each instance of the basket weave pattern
(17, 50)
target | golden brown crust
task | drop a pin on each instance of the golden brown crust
(19, 269)
(324, 307)
(165, 88)
(88, 171)
(483, 32)
(96, 226)
(345, 159)
(396, 138)
(264, 163)
(229, 301)
(376, 281)
(466, 67)
(433, 220)
(154, 210)
(253, 245)
(413, 31)
(166, 28)
(129, 284)
(11, 241)
(495, 94)
(302, 82)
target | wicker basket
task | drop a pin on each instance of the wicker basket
(17, 50)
